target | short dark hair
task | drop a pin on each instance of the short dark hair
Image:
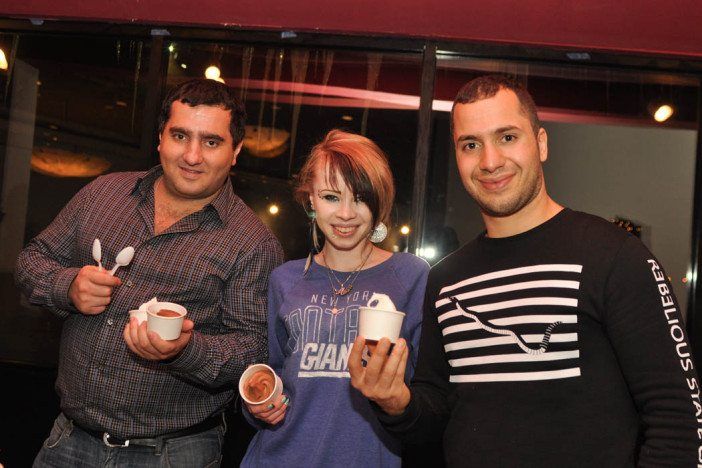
(485, 87)
(205, 92)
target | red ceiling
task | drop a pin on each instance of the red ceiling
(642, 26)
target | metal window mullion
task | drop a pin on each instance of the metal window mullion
(421, 161)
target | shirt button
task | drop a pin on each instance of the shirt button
(129, 283)
(110, 322)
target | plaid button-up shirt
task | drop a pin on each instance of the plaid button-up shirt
(215, 262)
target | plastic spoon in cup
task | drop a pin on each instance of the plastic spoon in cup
(123, 258)
(97, 253)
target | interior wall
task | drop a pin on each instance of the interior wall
(642, 174)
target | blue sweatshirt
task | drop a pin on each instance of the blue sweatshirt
(328, 422)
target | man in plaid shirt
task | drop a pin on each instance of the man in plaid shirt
(128, 397)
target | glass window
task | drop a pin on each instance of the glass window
(70, 109)
(293, 97)
(607, 154)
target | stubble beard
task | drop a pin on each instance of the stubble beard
(501, 208)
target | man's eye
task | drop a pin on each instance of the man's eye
(178, 136)
(471, 145)
(509, 138)
(212, 143)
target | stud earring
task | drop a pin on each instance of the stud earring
(379, 233)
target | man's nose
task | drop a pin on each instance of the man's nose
(491, 158)
(193, 153)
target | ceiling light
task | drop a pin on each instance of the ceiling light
(183, 66)
(404, 230)
(212, 73)
(171, 47)
(273, 209)
(663, 112)
(347, 118)
(3, 60)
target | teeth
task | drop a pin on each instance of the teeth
(344, 230)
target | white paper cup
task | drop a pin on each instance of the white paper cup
(168, 328)
(251, 370)
(374, 324)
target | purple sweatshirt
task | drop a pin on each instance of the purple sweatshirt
(328, 422)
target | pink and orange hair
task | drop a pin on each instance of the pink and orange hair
(357, 161)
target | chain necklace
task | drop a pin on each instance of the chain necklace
(345, 286)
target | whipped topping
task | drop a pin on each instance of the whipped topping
(381, 301)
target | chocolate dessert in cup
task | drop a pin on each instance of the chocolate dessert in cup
(166, 319)
(259, 384)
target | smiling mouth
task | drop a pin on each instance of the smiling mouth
(344, 231)
(495, 184)
(190, 172)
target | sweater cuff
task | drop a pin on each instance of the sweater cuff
(191, 358)
(400, 423)
(59, 291)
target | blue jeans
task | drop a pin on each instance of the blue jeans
(68, 446)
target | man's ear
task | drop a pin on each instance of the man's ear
(542, 143)
(158, 148)
(237, 150)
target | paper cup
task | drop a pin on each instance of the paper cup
(168, 328)
(374, 324)
(248, 373)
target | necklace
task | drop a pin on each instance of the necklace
(345, 286)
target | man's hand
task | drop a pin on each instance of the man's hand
(383, 378)
(91, 290)
(149, 345)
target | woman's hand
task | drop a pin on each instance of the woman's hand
(271, 413)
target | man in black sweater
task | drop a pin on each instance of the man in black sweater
(553, 338)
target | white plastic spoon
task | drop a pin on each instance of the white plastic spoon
(97, 253)
(123, 258)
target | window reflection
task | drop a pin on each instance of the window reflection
(71, 110)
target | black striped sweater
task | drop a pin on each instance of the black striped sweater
(561, 346)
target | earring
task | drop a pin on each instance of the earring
(315, 236)
(314, 248)
(379, 233)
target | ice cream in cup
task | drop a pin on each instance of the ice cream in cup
(259, 384)
(379, 319)
(165, 319)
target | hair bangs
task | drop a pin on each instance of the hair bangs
(338, 165)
